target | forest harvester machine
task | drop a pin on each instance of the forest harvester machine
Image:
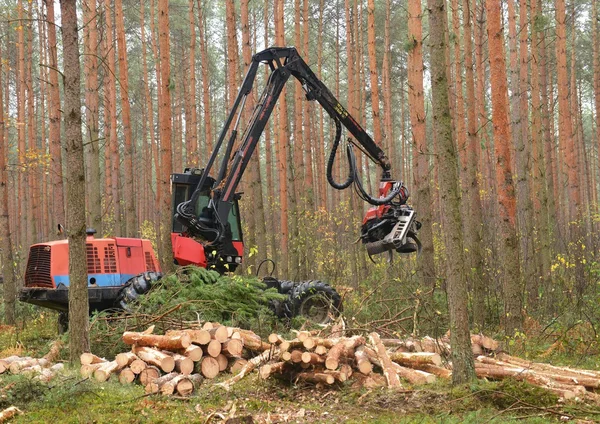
(206, 228)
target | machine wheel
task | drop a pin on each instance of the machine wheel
(314, 300)
(63, 322)
(135, 287)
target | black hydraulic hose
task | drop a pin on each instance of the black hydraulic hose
(351, 173)
(372, 200)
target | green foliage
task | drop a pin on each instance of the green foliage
(190, 295)
(207, 296)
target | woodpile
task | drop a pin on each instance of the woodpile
(177, 362)
(38, 368)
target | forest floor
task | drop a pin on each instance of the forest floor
(71, 399)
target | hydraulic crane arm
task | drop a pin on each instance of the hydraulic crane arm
(283, 62)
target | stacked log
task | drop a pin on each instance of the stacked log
(179, 361)
(42, 369)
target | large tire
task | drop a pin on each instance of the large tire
(315, 300)
(135, 287)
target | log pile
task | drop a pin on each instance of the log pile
(40, 369)
(177, 362)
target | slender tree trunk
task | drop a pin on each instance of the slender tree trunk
(78, 290)
(510, 273)
(596, 59)
(456, 285)
(425, 262)
(32, 169)
(373, 72)
(205, 72)
(320, 150)
(388, 122)
(58, 202)
(471, 195)
(191, 126)
(540, 176)
(92, 114)
(129, 198)
(6, 258)
(282, 149)
(308, 158)
(165, 135)
(21, 128)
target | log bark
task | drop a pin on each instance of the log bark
(193, 352)
(219, 334)
(156, 358)
(249, 367)
(312, 358)
(209, 367)
(104, 372)
(54, 351)
(89, 358)
(148, 375)
(88, 370)
(126, 376)
(252, 341)
(195, 379)
(268, 369)
(156, 385)
(175, 342)
(238, 365)
(316, 377)
(362, 361)
(169, 387)
(126, 358)
(183, 365)
(432, 369)
(414, 376)
(342, 349)
(199, 337)
(410, 359)
(17, 366)
(386, 364)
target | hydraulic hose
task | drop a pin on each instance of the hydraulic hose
(351, 171)
(358, 182)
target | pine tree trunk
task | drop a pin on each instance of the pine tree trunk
(378, 136)
(191, 118)
(540, 182)
(510, 273)
(205, 72)
(165, 136)
(282, 150)
(129, 198)
(425, 262)
(58, 203)
(21, 135)
(92, 114)
(78, 291)
(6, 258)
(456, 286)
(596, 59)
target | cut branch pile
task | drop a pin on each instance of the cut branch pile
(178, 362)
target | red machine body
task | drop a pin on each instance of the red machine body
(110, 262)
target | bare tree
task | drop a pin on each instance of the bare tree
(456, 285)
(78, 290)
